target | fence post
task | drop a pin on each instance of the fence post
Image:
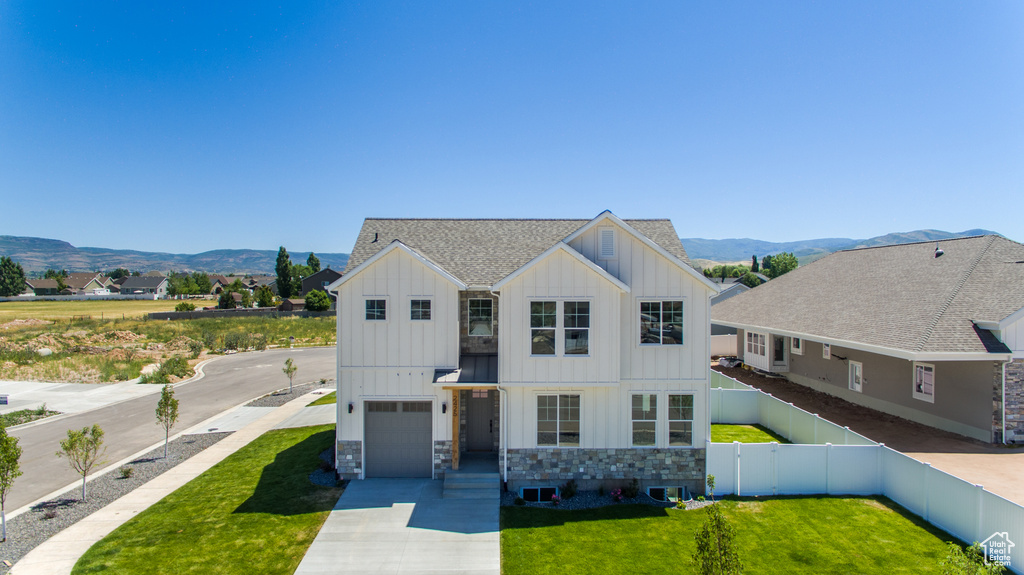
(736, 444)
(846, 435)
(775, 468)
(880, 486)
(981, 513)
(720, 394)
(789, 435)
(816, 418)
(828, 469)
(927, 497)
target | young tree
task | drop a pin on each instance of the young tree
(318, 300)
(12, 277)
(289, 370)
(10, 469)
(971, 562)
(83, 450)
(246, 298)
(284, 273)
(313, 263)
(167, 413)
(716, 552)
(264, 297)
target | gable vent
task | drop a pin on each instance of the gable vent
(606, 250)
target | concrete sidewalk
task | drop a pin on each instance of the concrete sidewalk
(57, 556)
(403, 526)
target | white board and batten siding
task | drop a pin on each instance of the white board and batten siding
(395, 358)
(559, 277)
(754, 359)
(652, 277)
(1013, 337)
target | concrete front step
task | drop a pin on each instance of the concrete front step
(471, 475)
(491, 493)
(471, 486)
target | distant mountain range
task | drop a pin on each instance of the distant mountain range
(741, 249)
(40, 254)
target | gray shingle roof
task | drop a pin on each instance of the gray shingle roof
(481, 252)
(143, 282)
(900, 297)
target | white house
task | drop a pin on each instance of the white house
(561, 349)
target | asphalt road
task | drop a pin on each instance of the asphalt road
(131, 426)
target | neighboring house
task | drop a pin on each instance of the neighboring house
(320, 280)
(218, 283)
(730, 287)
(156, 285)
(560, 349)
(292, 304)
(930, 332)
(43, 286)
(255, 282)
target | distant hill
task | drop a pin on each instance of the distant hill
(39, 254)
(734, 250)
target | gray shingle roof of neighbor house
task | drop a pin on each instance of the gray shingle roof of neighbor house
(482, 251)
(143, 282)
(900, 297)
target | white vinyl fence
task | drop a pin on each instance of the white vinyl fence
(828, 459)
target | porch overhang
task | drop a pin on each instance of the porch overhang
(475, 371)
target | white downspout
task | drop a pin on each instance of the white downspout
(501, 433)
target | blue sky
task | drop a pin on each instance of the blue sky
(188, 127)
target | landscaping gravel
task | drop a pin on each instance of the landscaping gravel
(281, 396)
(593, 500)
(44, 520)
(326, 477)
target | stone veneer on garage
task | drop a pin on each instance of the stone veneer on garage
(609, 467)
(1014, 402)
(349, 459)
(442, 457)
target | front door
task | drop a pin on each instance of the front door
(779, 352)
(480, 421)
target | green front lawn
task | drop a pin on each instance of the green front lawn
(723, 433)
(782, 535)
(330, 398)
(254, 512)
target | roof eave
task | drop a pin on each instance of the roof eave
(571, 252)
(395, 244)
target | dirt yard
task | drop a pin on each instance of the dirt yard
(999, 468)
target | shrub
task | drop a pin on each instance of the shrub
(195, 348)
(185, 306)
(236, 341)
(632, 490)
(569, 489)
(520, 501)
(209, 339)
(176, 366)
(258, 341)
(49, 514)
(616, 495)
(317, 300)
(125, 471)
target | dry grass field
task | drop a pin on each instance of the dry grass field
(104, 309)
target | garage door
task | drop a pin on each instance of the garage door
(398, 439)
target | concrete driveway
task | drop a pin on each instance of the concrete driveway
(403, 526)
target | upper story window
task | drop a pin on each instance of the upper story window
(419, 309)
(376, 309)
(558, 420)
(576, 318)
(543, 321)
(661, 322)
(481, 317)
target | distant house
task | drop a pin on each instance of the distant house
(292, 304)
(929, 332)
(256, 282)
(320, 280)
(43, 286)
(156, 285)
(217, 284)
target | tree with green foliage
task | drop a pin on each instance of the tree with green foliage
(167, 413)
(226, 300)
(969, 562)
(264, 297)
(203, 283)
(750, 280)
(83, 450)
(753, 264)
(12, 277)
(318, 300)
(52, 274)
(118, 273)
(299, 271)
(185, 306)
(246, 298)
(766, 265)
(781, 263)
(289, 370)
(10, 469)
(313, 263)
(716, 552)
(284, 273)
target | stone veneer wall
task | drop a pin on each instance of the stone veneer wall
(1014, 402)
(349, 459)
(609, 467)
(442, 457)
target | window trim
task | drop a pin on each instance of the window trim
(638, 339)
(565, 330)
(522, 491)
(469, 317)
(913, 383)
(558, 420)
(430, 308)
(367, 299)
(856, 366)
(756, 344)
(796, 346)
(559, 327)
(668, 410)
(656, 420)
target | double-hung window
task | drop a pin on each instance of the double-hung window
(755, 343)
(645, 419)
(856, 376)
(661, 322)
(481, 317)
(543, 321)
(376, 309)
(680, 420)
(558, 420)
(419, 309)
(924, 382)
(576, 320)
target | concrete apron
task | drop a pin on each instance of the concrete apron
(403, 526)
(58, 554)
